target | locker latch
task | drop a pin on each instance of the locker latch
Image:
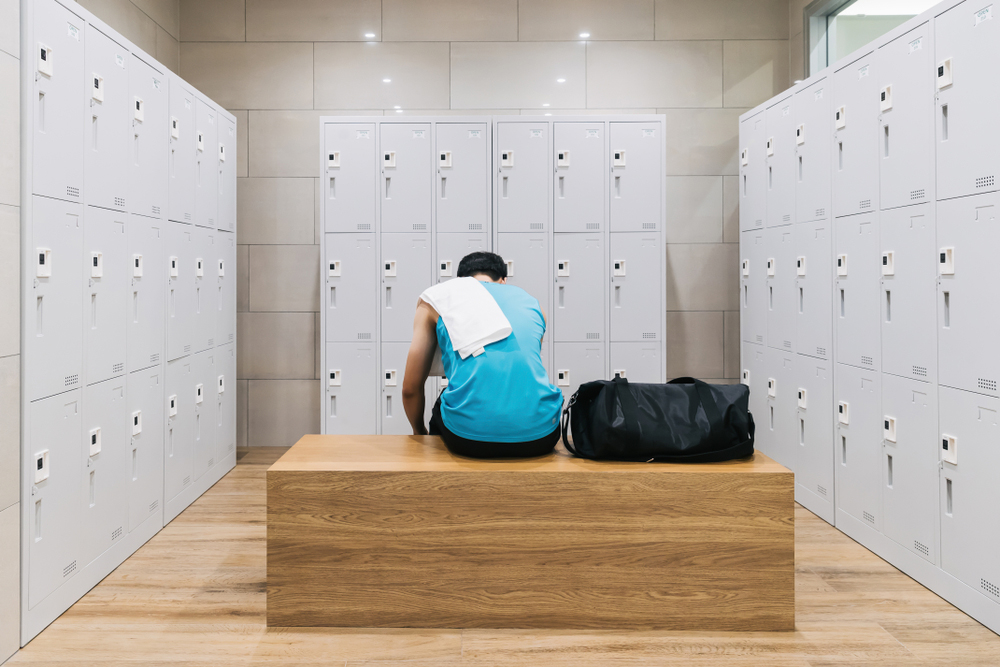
(137, 266)
(199, 393)
(41, 466)
(946, 261)
(772, 387)
(446, 268)
(506, 159)
(562, 268)
(173, 267)
(841, 265)
(949, 449)
(44, 267)
(562, 377)
(944, 73)
(770, 267)
(172, 406)
(333, 160)
(390, 378)
(222, 152)
(744, 158)
(619, 160)
(96, 264)
(334, 379)
(885, 99)
(889, 429)
(221, 385)
(137, 422)
(802, 398)
(199, 268)
(770, 147)
(444, 159)
(389, 159)
(95, 441)
(746, 268)
(139, 109)
(619, 269)
(201, 142)
(175, 130)
(800, 134)
(97, 93)
(888, 265)
(390, 269)
(222, 268)
(562, 159)
(840, 117)
(335, 269)
(44, 59)
(620, 373)
(800, 266)
(746, 377)
(842, 414)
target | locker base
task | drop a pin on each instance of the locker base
(815, 503)
(182, 500)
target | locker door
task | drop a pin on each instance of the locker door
(206, 416)
(147, 154)
(392, 417)
(145, 272)
(351, 287)
(107, 95)
(579, 176)
(206, 205)
(183, 152)
(105, 293)
(144, 393)
(754, 375)
(813, 120)
(855, 149)
(780, 161)
(102, 490)
(451, 248)
(635, 273)
(522, 187)
(351, 176)
(406, 272)
(909, 320)
(351, 393)
(206, 288)
(910, 465)
(180, 255)
(753, 198)
(858, 444)
(856, 300)
(781, 296)
(463, 177)
(178, 432)
(578, 312)
(57, 284)
(227, 175)
(576, 363)
(225, 281)
(814, 289)
(58, 102)
(407, 171)
(905, 74)
(967, 52)
(967, 299)
(753, 286)
(814, 430)
(54, 553)
(638, 362)
(636, 177)
(527, 256)
(224, 394)
(779, 428)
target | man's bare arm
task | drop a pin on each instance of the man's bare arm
(418, 365)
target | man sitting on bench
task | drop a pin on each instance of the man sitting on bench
(499, 402)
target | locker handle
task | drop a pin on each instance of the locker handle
(39, 331)
(135, 143)
(618, 296)
(333, 187)
(93, 133)
(333, 296)
(947, 310)
(41, 111)
(944, 122)
(562, 187)
(949, 505)
(618, 187)
(886, 138)
(444, 183)
(562, 296)
(388, 296)
(505, 187)
(388, 179)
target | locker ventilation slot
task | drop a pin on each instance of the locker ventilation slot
(922, 548)
(760, 339)
(364, 336)
(364, 226)
(211, 462)
(72, 192)
(187, 348)
(648, 336)
(211, 342)
(116, 533)
(593, 336)
(475, 226)
(536, 225)
(916, 194)
(153, 505)
(920, 370)
(187, 480)
(820, 212)
(870, 518)
(420, 226)
(865, 203)
(990, 588)
(156, 210)
(69, 569)
(187, 216)
(821, 351)
(867, 361)
(230, 338)
(593, 225)
(649, 225)
(120, 201)
(988, 385)
(230, 447)
(821, 489)
(118, 368)
(71, 380)
(984, 182)
(786, 218)
(758, 223)
(153, 358)
(787, 344)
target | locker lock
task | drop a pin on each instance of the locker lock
(334, 378)
(946, 260)
(173, 267)
(389, 159)
(95, 441)
(175, 129)
(172, 406)
(842, 414)
(41, 466)
(840, 117)
(746, 268)
(199, 393)
(562, 159)
(746, 377)
(201, 142)
(800, 134)
(390, 378)
(619, 267)
(222, 152)
(800, 266)
(506, 159)
(139, 109)
(562, 268)
(390, 269)
(444, 159)
(334, 271)
(446, 268)
(333, 160)
(220, 387)
(619, 159)
(43, 269)
(949, 449)
(510, 268)
(97, 92)
(199, 268)
(772, 387)
(137, 422)
(802, 398)
(770, 267)
(944, 74)
(888, 265)
(562, 377)
(770, 147)
(744, 158)
(137, 266)
(841, 265)
(96, 264)
(620, 373)
(222, 268)
(889, 429)
(885, 99)
(44, 59)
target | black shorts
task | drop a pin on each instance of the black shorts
(478, 449)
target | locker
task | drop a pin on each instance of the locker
(753, 286)
(905, 74)
(407, 171)
(814, 435)
(144, 396)
(205, 376)
(812, 118)
(579, 310)
(637, 362)
(753, 198)
(576, 363)
(814, 289)
(967, 58)
(909, 320)
(636, 177)
(58, 102)
(635, 269)
(351, 177)
(451, 248)
(463, 177)
(406, 272)
(780, 162)
(227, 175)
(777, 431)
(180, 254)
(105, 293)
(102, 489)
(351, 287)
(179, 426)
(855, 130)
(54, 468)
(206, 287)
(579, 176)
(54, 355)
(206, 205)
(857, 265)
(107, 120)
(224, 278)
(148, 157)
(522, 187)
(392, 417)
(527, 256)
(858, 443)
(351, 394)
(754, 375)
(146, 276)
(224, 395)
(183, 152)
(967, 301)
(781, 271)
(910, 465)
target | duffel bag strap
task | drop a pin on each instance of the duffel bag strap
(565, 425)
(706, 399)
(630, 410)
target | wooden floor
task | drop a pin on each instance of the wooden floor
(194, 595)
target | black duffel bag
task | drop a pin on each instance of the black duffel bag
(683, 421)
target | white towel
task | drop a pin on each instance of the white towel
(471, 315)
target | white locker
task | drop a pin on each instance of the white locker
(753, 374)
(406, 272)
(811, 111)
(576, 363)
(146, 277)
(855, 131)
(753, 197)
(968, 301)
(107, 119)
(578, 154)
(224, 278)
(451, 248)
(392, 417)
(55, 462)
(910, 465)
(781, 296)
(814, 288)
(351, 300)
(779, 151)
(58, 102)
(814, 484)
(144, 396)
(778, 430)
(906, 81)
(206, 205)
(178, 430)
(351, 175)
(102, 490)
(463, 177)
(224, 395)
(527, 256)
(407, 171)
(206, 287)
(180, 253)
(579, 310)
(636, 176)
(638, 362)
(858, 443)
(522, 187)
(54, 354)
(182, 167)
(227, 175)
(909, 276)
(206, 405)
(104, 294)
(857, 265)
(351, 394)
(147, 152)
(967, 58)
(753, 286)
(635, 268)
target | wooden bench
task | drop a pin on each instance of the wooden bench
(394, 531)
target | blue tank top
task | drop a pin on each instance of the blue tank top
(504, 394)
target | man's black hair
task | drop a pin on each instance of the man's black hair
(487, 263)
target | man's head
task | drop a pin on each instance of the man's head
(485, 264)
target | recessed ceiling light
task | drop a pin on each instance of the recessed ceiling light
(560, 80)
(584, 35)
(396, 107)
(386, 80)
(548, 114)
(369, 35)
(399, 111)
(545, 104)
